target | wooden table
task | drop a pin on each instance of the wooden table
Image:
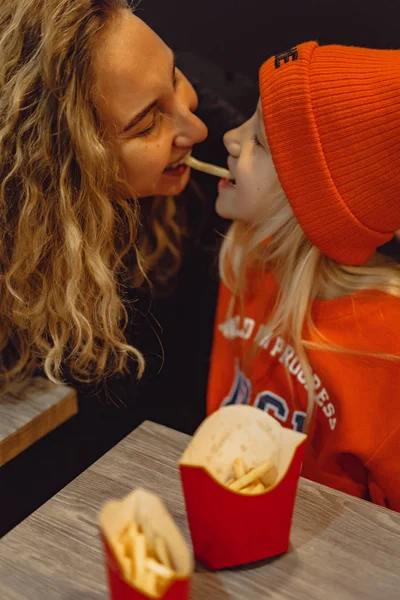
(341, 547)
(31, 411)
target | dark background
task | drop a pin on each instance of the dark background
(220, 46)
(238, 36)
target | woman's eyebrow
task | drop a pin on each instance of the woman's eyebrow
(141, 115)
(135, 120)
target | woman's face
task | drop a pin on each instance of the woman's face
(147, 105)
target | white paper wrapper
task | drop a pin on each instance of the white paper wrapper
(241, 431)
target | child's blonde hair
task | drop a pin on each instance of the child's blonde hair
(303, 273)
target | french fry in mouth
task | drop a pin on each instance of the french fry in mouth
(249, 481)
(198, 165)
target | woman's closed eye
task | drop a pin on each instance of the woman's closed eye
(148, 130)
(155, 117)
(149, 127)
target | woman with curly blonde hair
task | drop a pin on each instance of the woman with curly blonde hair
(94, 122)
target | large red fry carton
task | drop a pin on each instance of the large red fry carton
(232, 524)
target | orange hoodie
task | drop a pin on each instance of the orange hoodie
(355, 445)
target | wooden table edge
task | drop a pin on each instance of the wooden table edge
(48, 421)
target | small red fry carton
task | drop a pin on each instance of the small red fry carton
(146, 555)
(231, 522)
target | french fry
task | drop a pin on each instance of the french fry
(123, 561)
(250, 482)
(150, 583)
(127, 536)
(139, 558)
(252, 476)
(149, 537)
(270, 477)
(131, 539)
(254, 488)
(161, 552)
(159, 569)
(144, 558)
(207, 168)
(239, 468)
(247, 490)
(255, 480)
(258, 489)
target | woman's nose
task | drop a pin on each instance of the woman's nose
(192, 130)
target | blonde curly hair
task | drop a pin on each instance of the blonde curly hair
(68, 236)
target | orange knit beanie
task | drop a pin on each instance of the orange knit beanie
(332, 119)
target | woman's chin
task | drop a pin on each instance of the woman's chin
(165, 185)
(172, 183)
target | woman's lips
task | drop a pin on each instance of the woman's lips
(176, 172)
(181, 162)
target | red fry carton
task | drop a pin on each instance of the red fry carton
(131, 530)
(230, 528)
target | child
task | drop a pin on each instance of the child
(308, 321)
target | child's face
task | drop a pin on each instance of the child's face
(251, 165)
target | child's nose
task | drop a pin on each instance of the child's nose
(231, 142)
